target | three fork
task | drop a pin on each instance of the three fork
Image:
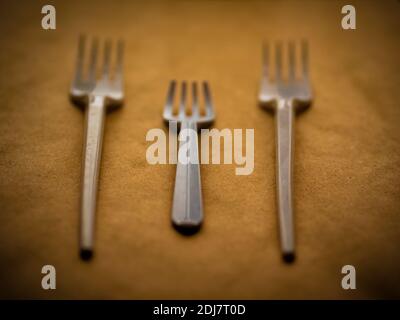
(285, 96)
(187, 208)
(96, 95)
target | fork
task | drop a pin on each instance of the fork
(96, 96)
(187, 208)
(285, 97)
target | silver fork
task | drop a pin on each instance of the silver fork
(285, 97)
(96, 96)
(187, 209)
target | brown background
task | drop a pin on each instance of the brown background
(347, 194)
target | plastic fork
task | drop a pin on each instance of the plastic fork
(285, 96)
(96, 95)
(187, 208)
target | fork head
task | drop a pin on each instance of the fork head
(297, 89)
(86, 83)
(203, 121)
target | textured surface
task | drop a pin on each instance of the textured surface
(347, 175)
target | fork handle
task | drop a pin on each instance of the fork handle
(284, 175)
(92, 146)
(187, 211)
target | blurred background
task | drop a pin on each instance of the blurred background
(347, 160)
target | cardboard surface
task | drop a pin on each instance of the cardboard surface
(347, 160)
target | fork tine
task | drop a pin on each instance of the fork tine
(292, 61)
(79, 59)
(278, 61)
(304, 57)
(195, 100)
(170, 99)
(182, 103)
(120, 57)
(207, 99)
(93, 60)
(265, 60)
(107, 58)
